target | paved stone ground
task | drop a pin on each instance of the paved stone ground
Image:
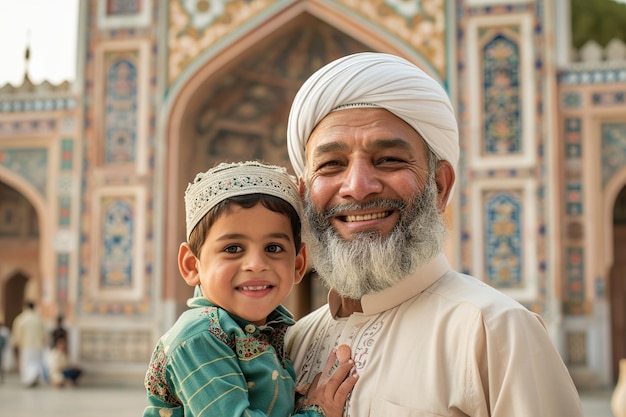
(80, 401)
(129, 401)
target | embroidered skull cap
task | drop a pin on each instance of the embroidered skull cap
(230, 179)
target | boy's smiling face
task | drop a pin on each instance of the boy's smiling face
(248, 262)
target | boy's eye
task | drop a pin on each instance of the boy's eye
(274, 248)
(233, 249)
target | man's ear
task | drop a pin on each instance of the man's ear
(444, 177)
(301, 264)
(302, 188)
(188, 265)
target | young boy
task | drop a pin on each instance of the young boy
(62, 372)
(224, 356)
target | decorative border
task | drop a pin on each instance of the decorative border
(473, 3)
(143, 86)
(136, 289)
(530, 268)
(141, 19)
(527, 157)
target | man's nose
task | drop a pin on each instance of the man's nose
(361, 180)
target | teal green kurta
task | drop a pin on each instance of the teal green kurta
(213, 364)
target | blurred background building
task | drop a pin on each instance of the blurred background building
(92, 173)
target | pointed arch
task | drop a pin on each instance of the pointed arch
(611, 191)
(204, 75)
(34, 197)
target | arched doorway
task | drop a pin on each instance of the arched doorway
(20, 254)
(240, 113)
(13, 297)
(617, 281)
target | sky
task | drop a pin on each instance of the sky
(50, 28)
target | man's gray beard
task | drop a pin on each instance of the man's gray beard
(370, 262)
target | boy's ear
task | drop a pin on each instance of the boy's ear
(188, 265)
(301, 264)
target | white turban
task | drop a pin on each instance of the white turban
(373, 79)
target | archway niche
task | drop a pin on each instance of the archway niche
(241, 113)
(19, 257)
(14, 292)
(617, 281)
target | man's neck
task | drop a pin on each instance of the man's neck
(349, 306)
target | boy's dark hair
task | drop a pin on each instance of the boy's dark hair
(278, 205)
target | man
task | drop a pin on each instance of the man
(59, 332)
(29, 341)
(375, 142)
(4, 341)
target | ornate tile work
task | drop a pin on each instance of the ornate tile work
(576, 348)
(117, 242)
(31, 164)
(501, 83)
(503, 246)
(244, 115)
(122, 7)
(573, 145)
(194, 28)
(573, 198)
(65, 204)
(115, 262)
(115, 345)
(502, 111)
(613, 149)
(63, 260)
(122, 15)
(575, 285)
(608, 99)
(507, 237)
(25, 127)
(121, 107)
(37, 104)
(421, 24)
(67, 154)
(572, 100)
(595, 76)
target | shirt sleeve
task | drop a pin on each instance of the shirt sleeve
(522, 372)
(200, 377)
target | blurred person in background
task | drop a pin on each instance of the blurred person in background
(59, 332)
(29, 343)
(62, 372)
(4, 342)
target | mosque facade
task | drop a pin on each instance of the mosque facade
(92, 172)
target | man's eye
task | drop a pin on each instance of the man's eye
(328, 165)
(274, 248)
(390, 160)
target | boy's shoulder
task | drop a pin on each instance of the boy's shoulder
(199, 320)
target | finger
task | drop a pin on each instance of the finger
(330, 362)
(339, 374)
(311, 393)
(343, 353)
(346, 387)
(314, 383)
(329, 367)
(303, 389)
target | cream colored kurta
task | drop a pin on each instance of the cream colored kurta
(440, 344)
